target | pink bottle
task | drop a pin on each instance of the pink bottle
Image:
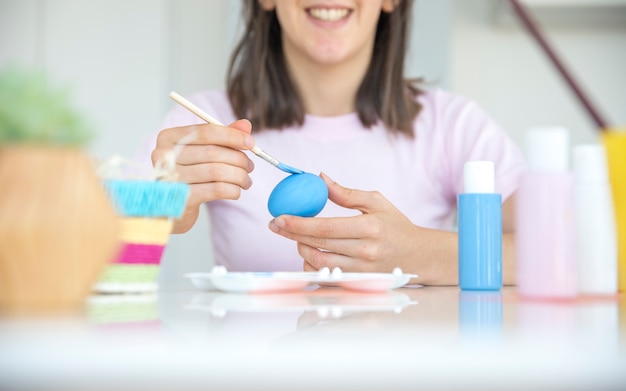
(545, 220)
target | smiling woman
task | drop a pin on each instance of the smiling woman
(338, 51)
(323, 86)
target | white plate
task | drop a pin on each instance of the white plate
(267, 282)
(372, 282)
(257, 282)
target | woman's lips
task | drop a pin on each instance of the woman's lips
(328, 14)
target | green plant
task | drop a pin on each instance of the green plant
(33, 112)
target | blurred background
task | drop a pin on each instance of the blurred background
(121, 58)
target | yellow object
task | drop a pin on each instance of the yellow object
(140, 230)
(615, 144)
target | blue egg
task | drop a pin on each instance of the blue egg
(299, 194)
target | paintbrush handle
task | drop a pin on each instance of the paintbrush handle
(194, 109)
(265, 156)
(207, 118)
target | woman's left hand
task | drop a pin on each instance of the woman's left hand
(378, 240)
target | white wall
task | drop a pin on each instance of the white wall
(122, 57)
(495, 61)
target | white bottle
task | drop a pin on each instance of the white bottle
(596, 244)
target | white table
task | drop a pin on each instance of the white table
(434, 338)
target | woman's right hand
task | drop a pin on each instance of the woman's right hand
(213, 163)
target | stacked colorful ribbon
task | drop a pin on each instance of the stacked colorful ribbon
(146, 211)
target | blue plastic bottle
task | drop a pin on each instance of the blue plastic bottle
(480, 229)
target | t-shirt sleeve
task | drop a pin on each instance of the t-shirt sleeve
(474, 135)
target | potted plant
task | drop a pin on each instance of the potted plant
(58, 228)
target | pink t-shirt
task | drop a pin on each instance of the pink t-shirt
(421, 176)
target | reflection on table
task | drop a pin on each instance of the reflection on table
(432, 337)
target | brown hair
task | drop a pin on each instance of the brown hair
(259, 87)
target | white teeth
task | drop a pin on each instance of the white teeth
(328, 15)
